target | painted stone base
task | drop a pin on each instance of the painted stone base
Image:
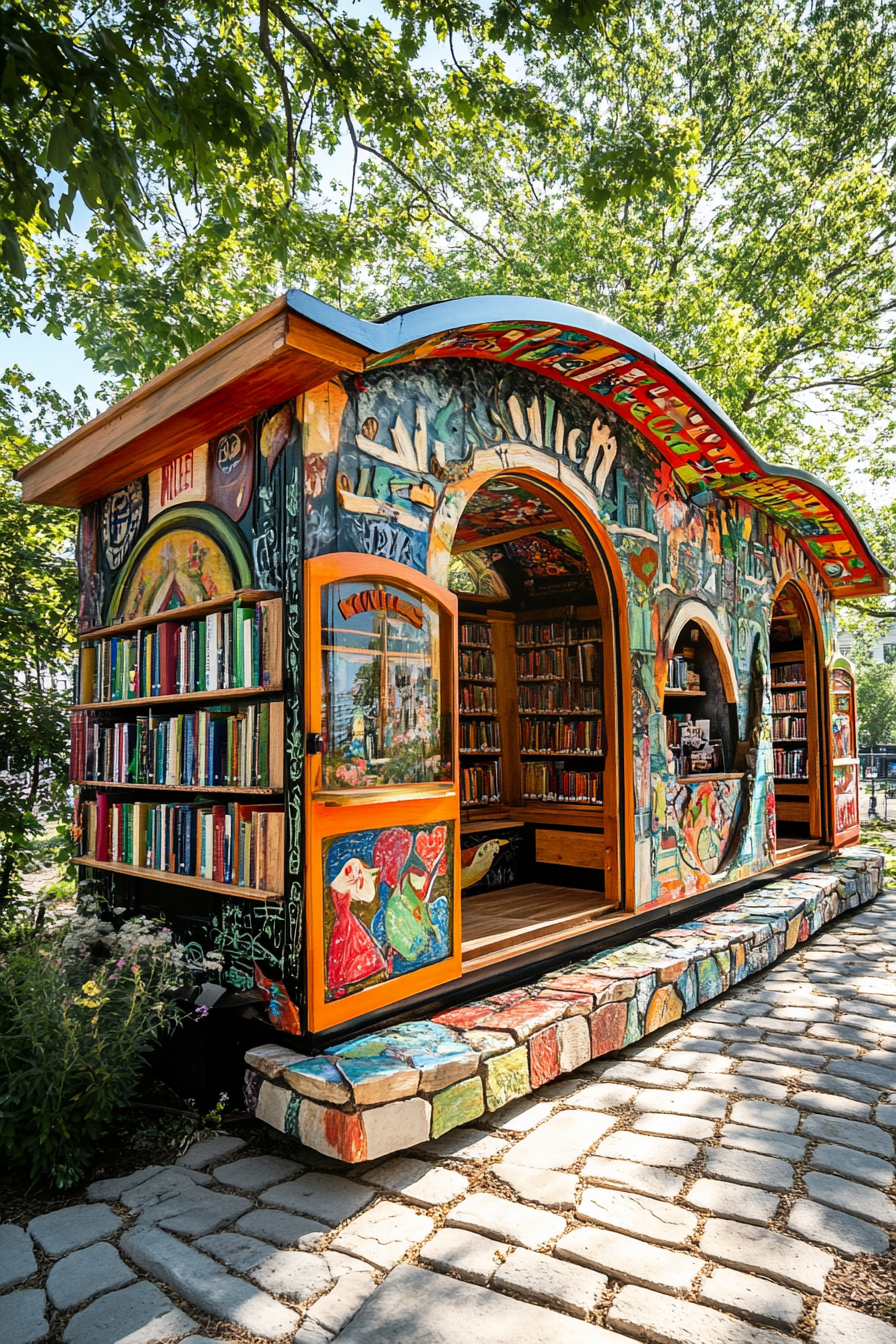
(392, 1089)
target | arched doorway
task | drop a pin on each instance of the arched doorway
(796, 723)
(541, 767)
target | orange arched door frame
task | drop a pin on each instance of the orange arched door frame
(818, 730)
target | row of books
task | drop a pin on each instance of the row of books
(788, 672)
(225, 650)
(790, 764)
(543, 697)
(480, 784)
(570, 736)
(684, 731)
(240, 845)
(542, 663)
(476, 663)
(530, 634)
(475, 698)
(788, 726)
(476, 632)
(699, 758)
(208, 748)
(681, 676)
(555, 784)
(480, 735)
(785, 702)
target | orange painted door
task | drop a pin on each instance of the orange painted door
(382, 800)
(843, 752)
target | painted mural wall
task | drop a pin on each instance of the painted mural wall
(391, 459)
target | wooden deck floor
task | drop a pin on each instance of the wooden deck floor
(498, 924)
(790, 847)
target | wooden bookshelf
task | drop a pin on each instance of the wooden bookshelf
(179, 879)
(187, 698)
(105, 784)
(196, 611)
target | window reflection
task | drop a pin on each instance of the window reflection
(383, 716)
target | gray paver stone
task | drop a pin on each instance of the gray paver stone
(317, 1194)
(562, 1140)
(765, 1252)
(384, 1234)
(84, 1273)
(17, 1262)
(756, 1299)
(420, 1182)
(554, 1189)
(644, 1148)
(694, 1061)
(850, 1162)
(831, 1227)
(141, 1314)
(886, 1115)
(455, 1251)
(173, 1201)
(628, 1258)
(858, 1200)
(506, 1220)
(653, 1219)
(674, 1126)
(867, 1138)
(202, 1282)
(204, 1153)
(741, 1085)
(732, 1164)
(607, 1096)
(558, 1284)
(826, 1104)
(295, 1275)
(68, 1229)
(309, 1332)
(762, 1115)
(415, 1304)
(466, 1145)
(839, 1325)
(740, 1202)
(863, 1072)
(256, 1173)
(22, 1316)
(116, 1185)
(638, 1311)
(520, 1116)
(632, 1176)
(706, 1105)
(644, 1075)
(235, 1250)
(766, 1141)
(336, 1308)
(283, 1229)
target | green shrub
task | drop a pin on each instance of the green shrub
(80, 1010)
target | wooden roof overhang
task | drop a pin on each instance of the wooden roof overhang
(298, 342)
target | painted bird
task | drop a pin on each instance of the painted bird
(476, 861)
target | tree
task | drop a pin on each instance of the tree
(876, 703)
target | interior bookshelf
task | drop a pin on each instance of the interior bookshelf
(480, 746)
(178, 746)
(789, 717)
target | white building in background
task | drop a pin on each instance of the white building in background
(884, 648)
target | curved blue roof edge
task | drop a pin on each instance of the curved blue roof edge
(428, 320)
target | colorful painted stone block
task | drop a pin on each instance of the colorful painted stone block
(709, 979)
(665, 1007)
(457, 1105)
(252, 1082)
(335, 1133)
(488, 1043)
(291, 1117)
(544, 1057)
(272, 1104)
(522, 1018)
(573, 1043)
(379, 1079)
(465, 1018)
(440, 1068)
(319, 1079)
(608, 1028)
(506, 1078)
(398, 1125)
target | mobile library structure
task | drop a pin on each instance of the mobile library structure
(424, 656)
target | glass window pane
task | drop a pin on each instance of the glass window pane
(384, 708)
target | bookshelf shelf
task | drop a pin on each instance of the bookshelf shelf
(106, 784)
(195, 611)
(689, 694)
(479, 751)
(788, 686)
(180, 879)
(187, 698)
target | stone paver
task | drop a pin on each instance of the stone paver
(840, 1231)
(674, 1126)
(649, 1315)
(68, 1229)
(762, 1251)
(550, 1282)
(141, 1314)
(83, 1274)
(851, 1198)
(554, 1189)
(251, 1174)
(764, 1115)
(466, 1145)
(283, 1229)
(706, 1105)
(22, 1316)
(850, 1162)
(826, 1104)
(342, 1303)
(867, 1138)
(505, 1220)
(173, 1201)
(331, 1199)
(743, 1203)
(114, 1187)
(17, 1262)
(731, 1164)
(415, 1304)
(207, 1151)
(787, 1146)
(607, 1096)
(839, 1325)
(520, 1116)
(204, 1284)
(644, 1075)
(654, 1152)
(746, 1295)
(628, 1258)
(562, 1140)
(637, 1176)
(653, 1219)
(466, 1254)
(420, 1182)
(384, 1234)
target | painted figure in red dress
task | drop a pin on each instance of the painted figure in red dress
(353, 953)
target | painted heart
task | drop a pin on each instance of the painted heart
(644, 564)
(430, 845)
(390, 853)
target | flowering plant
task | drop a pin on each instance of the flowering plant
(80, 1010)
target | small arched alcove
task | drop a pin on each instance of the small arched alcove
(795, 673)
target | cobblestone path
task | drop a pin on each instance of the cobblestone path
(704, 1187)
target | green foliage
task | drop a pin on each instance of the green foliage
(80, 1012)
(876, 702)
